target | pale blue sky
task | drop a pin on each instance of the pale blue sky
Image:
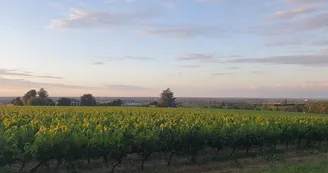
(210, 48)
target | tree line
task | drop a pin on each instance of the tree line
(33, 98)
(317, 107)
(41, 98)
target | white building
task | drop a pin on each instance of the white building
(75, 102)
(132, 103)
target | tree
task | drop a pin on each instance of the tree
(264, 107)
(64, 102)
(179, 105)
(17, 101)
(117, 102)
(88, 100)
(36, 101)
(43, 93)
(49, 102)
(155, 103)
(167, 98)
(30, 94)
(221, 106)
(285, 102)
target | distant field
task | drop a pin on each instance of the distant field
(254, 112)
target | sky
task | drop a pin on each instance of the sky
(198, 48)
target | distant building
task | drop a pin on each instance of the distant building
(75, 102)
(133, 103)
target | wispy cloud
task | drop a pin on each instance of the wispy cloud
(306, 24)
(318, 59)
(126, 58)
(139, 58)
(164, 3)
(204, 58)
(257, 72)
(311, 84)
(5, 72)
(208, 1)
(304, 2)
(297, 25)
(190, 66)
(49, 77)
(305, 15)
(295, 12)
(286, 41)
(321, 43)
(90, 19)
(319, 21)
(180, 31)
(221, 74)
(235, 56)
(138, 21)
(16, 73)
(98, 63)
(27, 84)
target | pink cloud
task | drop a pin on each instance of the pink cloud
(314, 84)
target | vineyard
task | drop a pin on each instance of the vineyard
(69, 134)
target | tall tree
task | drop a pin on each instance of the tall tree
(17, 101)
(88, 100)
(30, 94)
(43, 93)
(167, 98)
(64, 102)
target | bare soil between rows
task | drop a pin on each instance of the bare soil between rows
(207, 162)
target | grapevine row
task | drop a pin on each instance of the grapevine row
(29, 134)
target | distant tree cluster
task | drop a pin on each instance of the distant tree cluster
(117, 102)
(217, 105)
(85, 100)
(285, 108)
(17, 102)
(64, 102)
(319, 108)
(33, 98)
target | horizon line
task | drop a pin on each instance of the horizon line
(187, 97)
